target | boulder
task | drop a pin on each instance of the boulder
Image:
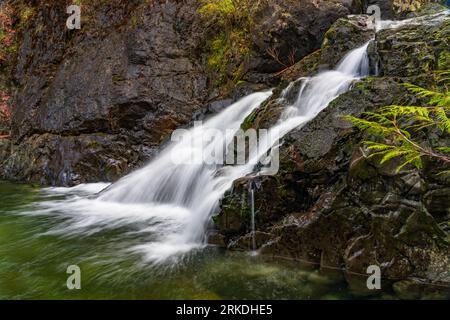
(345, 35)
(411, 50)
(293, 27)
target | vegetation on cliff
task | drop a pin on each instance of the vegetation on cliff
(14, 17)
(7, 34)
(231, 23)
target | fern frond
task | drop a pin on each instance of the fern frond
(395, 153)
(419, 126)
(371, 145)
(443, 76)
(415, 160)
(398, 124)
(444, 149)
(389, 152)
(399, 111)
(435, 98)
(370, 127)
(444, 121)
(381, 118)
(442, 100)
(421, 92)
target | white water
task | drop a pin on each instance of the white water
(174, 202)
(436, 18)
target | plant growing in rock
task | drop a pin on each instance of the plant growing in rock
(14, 17)
(397, 132)
(275, 54)
(231, 23)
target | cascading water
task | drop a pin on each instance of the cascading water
(173, 202)
(170, 203)
(167, 200)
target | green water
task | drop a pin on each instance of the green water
(33, 265)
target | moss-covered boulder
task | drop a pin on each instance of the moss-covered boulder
(413, 50)
(344, 35)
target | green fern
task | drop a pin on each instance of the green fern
(370, 127)
(444, 149)
(399, 125)
(444, 121)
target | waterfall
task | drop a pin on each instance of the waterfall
(171, 203)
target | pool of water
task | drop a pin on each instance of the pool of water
(34, 261)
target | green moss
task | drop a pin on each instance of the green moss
(93, 144)
(365, 85)
(230, 23)
(227, 54)
(217, 62)
(248, 122)
(26, 13)
(134, 21)
(251, 118)
(223, 7)
(117, 78)
(359, 4)
(329, 37)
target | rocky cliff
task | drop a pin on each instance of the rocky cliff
(92, 104)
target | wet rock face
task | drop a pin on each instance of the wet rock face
(413, 51)
(331, 205)
(133, 74)
(59, 160)
(344, 35)
(136, 71)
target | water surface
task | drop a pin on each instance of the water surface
(34, 260)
